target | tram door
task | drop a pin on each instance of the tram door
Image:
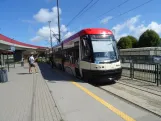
(77, 59)
(84, 54)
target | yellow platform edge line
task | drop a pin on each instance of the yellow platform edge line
(109, 106)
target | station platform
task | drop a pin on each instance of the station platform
(26, 97)
(53, 95)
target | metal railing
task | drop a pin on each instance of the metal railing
(10, 63)
(149, 72)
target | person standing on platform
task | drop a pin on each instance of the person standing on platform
(32, 63)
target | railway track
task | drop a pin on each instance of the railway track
(120, 86)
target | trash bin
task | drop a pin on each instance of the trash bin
(22, 63)
(3, 75)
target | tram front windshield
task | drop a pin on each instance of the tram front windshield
(104, 48)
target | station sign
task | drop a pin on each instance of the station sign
(157, 59)
(12, 48)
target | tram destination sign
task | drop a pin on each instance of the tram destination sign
(101, 36)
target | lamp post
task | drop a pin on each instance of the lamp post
(59, 39)
(13, 50)
(51, 45)
(50, 34)
(58, 21)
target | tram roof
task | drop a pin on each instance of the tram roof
(86, 31)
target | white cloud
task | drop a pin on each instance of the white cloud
(68, 34)
(45, 31)
(37, 39)
(130, 24)
(105, 20)
(45, 15)
(63, 28)
(134, 27)
(155, 26)
(44, 34)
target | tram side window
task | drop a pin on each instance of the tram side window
(66, 55)
(73, 56)
(85, 50)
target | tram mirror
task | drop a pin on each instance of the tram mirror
(84, 43)
(85, 38)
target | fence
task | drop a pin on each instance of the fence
(7, 62)
(141, 55)
(142, 63)
(149, 72)
(10, 63)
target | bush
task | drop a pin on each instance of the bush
(149, 39)
(133, 40)
(124, 43)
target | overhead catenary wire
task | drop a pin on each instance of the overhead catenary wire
(105, 12)
(79, 13)
(89, 7)
(86, 10)
(133, 8)
(126, 11)
(108, 10)
(113, 8)
(54, 34)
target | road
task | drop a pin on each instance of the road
(80, 101)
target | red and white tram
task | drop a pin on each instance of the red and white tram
(91, 54)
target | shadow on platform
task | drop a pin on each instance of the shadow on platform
(54, 75)
(98, 84)
(26, 67)
(23, 73)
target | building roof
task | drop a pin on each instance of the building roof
(9, 40)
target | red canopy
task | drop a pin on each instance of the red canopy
(5, 52)
(7, 39)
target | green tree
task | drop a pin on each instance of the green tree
(149, 39)
(133, 40)
(124, 43)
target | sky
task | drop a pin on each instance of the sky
(27, 20)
